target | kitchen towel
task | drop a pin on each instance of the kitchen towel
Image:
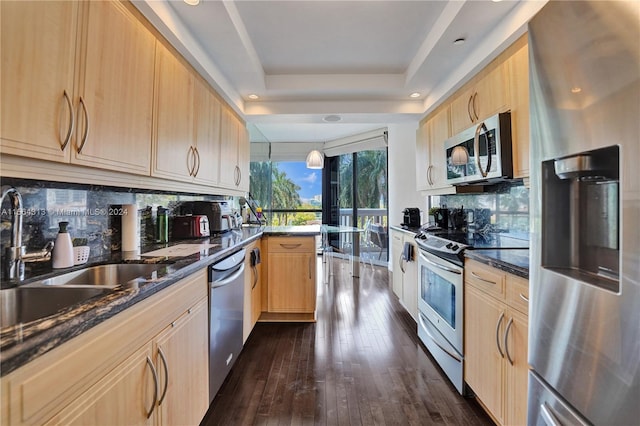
(130, 228)
(407, 252)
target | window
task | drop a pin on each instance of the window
(288, 192)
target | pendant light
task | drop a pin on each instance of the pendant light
(315, 160)
(459, 156)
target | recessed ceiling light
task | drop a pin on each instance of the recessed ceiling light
(415, 95)
(458, 41)
(332, 118)
(253, 96)
(192, 2)
(576, 89)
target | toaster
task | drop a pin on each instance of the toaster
(190, 226)
(220, 214)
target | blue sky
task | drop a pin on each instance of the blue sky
(309, 180)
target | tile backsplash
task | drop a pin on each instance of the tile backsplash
(93, 212)
(507, 205)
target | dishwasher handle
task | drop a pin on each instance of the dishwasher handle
(228, 279)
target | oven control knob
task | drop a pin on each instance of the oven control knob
(455, 247)
(449, 246)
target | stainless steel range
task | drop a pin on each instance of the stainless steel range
(440, 292)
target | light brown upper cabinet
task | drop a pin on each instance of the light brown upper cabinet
(487, 95)
(77, 84)
(187, 116)
(431, 170)
(519, 78)
(207, 135)
(234, 152)
(38, 61)
(174, 156)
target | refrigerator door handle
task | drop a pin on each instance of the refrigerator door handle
(547, 415)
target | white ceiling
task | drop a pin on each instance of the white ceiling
(360, 60)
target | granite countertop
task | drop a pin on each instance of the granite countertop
(402, 228)
(306, 230)
(24, 342)
(513, 261)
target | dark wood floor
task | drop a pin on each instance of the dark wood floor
(360, 364)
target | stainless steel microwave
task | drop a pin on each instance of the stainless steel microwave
(481, 154)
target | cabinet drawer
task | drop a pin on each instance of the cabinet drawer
(518, 293)
(488, 279)
(291, 244)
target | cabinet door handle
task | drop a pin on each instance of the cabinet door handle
(469, 109)
(238, 176)
(474, 106)
(473, 274)
(72, 120)
(190, 157)
(310, 267)
(429, 180)
(401, 262)
(166, 375)
(196, 161)
(290, 245)
(498, 334)
(523, 297)
(155, 386)
(85, 134)
(506, 341)
(255, 277)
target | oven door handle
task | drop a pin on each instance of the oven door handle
(423, 324)
(437, 265)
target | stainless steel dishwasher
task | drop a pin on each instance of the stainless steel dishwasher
(226, 303)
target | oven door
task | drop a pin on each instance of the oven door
(440, 297)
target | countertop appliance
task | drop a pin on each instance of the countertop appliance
(441, 291)
(226, 306)
(482, 153)
(221, 216)
(584, 321)
(189, 226)
(411, 217)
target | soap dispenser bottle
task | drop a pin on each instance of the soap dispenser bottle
(63, 249)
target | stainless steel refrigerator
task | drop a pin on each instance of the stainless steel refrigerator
(584, 332)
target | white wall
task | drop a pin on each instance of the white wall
(402, 173)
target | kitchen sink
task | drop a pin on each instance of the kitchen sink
(25, 304)
(105, 276)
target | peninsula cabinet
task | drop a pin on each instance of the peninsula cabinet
(147, 365)
(252, 291)
(496, 327)
(234, 152)
(291, 271)
(106, 121)
(431, 170)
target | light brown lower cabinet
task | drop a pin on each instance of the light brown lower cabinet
(291, 274)
(496, 327)
(252, 292)
(146, 365)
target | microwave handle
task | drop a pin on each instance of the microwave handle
(476, 148)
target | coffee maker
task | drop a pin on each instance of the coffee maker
(411, 217)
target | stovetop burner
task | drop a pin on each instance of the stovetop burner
(450, 244)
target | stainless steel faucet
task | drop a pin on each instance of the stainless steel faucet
(17, 253)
